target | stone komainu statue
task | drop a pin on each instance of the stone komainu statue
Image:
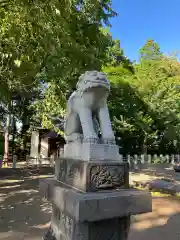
(87, 111)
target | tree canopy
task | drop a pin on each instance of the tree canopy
(147, 113)
(46, 45)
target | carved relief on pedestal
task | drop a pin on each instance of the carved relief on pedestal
(95, 176)
(73, 173)
(103, 177)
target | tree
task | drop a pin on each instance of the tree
(157, 78)
(144, 103)
(84, 46)
(150, 50)
(53, 41)
(124, 105)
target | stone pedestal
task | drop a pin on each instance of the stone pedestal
(91, 199)
(93, 216)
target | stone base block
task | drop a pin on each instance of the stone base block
(89, 176)
(98, 205)
(91, 207)
(90, 151)
(112, 229)
(95, 216)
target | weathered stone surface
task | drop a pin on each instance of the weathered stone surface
(87, 110)
(91, 151)
(92, 176)
(94, 216)
(65, 227)
(102, 205)
(95, 206)
(113, 229)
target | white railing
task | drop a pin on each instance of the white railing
(131, 159)
(150, 159)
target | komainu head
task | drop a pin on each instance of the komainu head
(93, 79)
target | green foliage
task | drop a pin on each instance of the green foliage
(83, 44)
(46, 45)
(150, 51)
(54, 41)
(158, 79)
(125, 108)
(144, 104)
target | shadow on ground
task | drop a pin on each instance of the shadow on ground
(24, 215)
(160, 170)
(162, 223)
(157, 170)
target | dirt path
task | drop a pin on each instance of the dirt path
(25, 216)
(162, 223)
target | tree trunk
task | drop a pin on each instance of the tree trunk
(6, 141)
(13, 133)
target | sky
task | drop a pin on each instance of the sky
(139, 20)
